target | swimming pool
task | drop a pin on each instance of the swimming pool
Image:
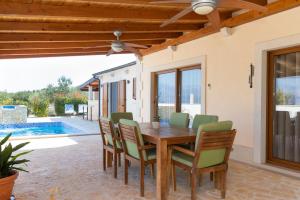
(37, 129)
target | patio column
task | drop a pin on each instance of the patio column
(90, 92)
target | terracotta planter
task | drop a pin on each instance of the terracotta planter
(6, 185)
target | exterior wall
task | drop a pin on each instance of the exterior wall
(93, 110)
(227, 61)
(127, 74)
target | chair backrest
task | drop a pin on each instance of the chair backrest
(180, 120)
(132, 139)
(108, 134)
(203, 119)
(213, 144)
(116, 116)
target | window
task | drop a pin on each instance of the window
(177, 90)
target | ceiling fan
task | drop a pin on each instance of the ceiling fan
(118, 46)
(208, 8)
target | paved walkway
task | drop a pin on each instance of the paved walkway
(70, 169)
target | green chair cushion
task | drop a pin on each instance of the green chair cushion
(208, 158)
(212, 157)
(132, 148)
(116, 116)
(203, 119)
(180, 120)
(182, 158)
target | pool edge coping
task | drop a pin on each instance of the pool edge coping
(51, 136)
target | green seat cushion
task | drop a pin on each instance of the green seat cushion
(182, 158)
(180, 120)
(207, 159)
(203, 119)
(116, 116)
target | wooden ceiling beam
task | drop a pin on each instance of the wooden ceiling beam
(54, 51)
(26, 27)
(80, 44)
(138, 4)
(31, 37)
(108, 11)
(275, 7)
(15, 56)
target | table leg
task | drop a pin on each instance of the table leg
(162, 170)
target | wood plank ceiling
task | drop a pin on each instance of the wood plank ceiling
(41, 28)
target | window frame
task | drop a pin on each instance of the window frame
(178, 72)
(270, 102)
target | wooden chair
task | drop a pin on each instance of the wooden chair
(111, 144)
(135, 149)
(213, 147)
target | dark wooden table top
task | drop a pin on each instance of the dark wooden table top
(173, 135)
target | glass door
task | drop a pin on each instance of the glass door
(190, 92)
(284, 108)
(166, 95)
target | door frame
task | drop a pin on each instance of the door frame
(178, 70)
(270, 102)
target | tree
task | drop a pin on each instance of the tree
(284, 98)
(50, 91)
(64, 85)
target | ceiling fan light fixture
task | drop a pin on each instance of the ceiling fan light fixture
(203, 7)
(117, 46)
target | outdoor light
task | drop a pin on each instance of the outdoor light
(117, 46)
(203, 7)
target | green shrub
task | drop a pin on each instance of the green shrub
(39, 105)
(59, 103)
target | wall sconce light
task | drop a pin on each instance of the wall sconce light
(251, 75)
(128, 81)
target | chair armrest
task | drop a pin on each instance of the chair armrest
(147, 147)
(183, 150)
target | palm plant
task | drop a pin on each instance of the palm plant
(9, 162)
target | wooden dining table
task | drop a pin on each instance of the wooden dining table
(163, 137)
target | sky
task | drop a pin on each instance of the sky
(37, 73)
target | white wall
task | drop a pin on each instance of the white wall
(227, 61)
(127, 74)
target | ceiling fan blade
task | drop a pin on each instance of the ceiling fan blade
(214, 19)
(178, 16)
(136, 45)
(133, 50)
(110, 52)
(171, 1)
(241, 4)
(96, 47)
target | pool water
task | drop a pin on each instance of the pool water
(37, 129)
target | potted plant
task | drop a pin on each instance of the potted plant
(9, 166)
(156, 119)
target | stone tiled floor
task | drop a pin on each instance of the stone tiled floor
(70, 169)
